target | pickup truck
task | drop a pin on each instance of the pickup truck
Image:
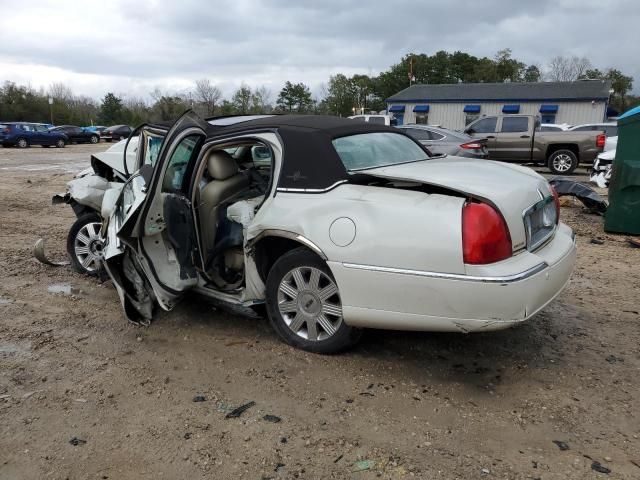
(517, 138)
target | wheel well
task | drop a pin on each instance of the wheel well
(269, 249)
(562, 146)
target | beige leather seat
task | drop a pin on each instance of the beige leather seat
(225, 182)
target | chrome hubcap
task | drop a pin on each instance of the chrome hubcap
(309, 303)
(562, 162)
(22, 143)
(88, 247)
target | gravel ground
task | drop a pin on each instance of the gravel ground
(84, 395)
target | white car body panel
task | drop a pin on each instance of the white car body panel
(511, 188)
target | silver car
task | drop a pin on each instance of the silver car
(444, 141)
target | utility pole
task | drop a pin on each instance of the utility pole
(51, 109)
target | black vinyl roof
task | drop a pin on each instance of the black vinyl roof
(310, 161)
(514, 91)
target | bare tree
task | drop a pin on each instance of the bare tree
(261, 100)
(207, 94)
(59, 91)
(567, 69)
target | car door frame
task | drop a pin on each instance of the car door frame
(513, 146)
(132, 235)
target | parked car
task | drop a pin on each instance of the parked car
(115, 133)
(554, 127)
(516, 138)
(441, 141)
(377, 119)
(94, 128)
(77, 134)
(24, 134)
(610, 129)
(349, 225)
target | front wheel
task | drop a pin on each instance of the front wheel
(95, 139)
(84, 244)
(22, 143)
(562, 162)
(60, 143)
(304, 304)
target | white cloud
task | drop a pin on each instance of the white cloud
(130, 48)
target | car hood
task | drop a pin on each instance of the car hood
(510, 188)
(114, 156)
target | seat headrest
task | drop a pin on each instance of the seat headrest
(221, 165)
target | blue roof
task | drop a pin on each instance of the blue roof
(472, 109)
(630, 113)
(421, 108)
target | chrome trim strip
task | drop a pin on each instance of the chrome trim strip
(453, 276)
(311, 190)
(290, 235)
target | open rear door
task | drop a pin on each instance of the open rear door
(152, 225)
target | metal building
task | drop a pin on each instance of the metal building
(456, 105)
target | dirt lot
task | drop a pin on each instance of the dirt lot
(401, 404)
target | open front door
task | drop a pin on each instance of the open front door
(153, 224)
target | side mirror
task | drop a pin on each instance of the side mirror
(469, 131)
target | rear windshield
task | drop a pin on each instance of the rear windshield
(378, 149)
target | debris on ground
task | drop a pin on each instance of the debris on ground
(38, 252)
(235, 413)
(362, 465)
(75, 441)
(587, 195)
(597, 241)
(64, 288)
(199, 398)
(272, 418)
(633, 242)
(598, 467)
(561, 445)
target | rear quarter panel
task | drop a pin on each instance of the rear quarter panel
(393, 227)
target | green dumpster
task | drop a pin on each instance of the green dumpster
(623, 214)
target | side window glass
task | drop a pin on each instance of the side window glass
(419, 134)
(152, 149)
(486, 125)
(177, 165)
(515, 124)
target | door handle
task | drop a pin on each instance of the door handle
(525, 136)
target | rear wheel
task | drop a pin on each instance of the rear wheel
(304, 304)
(60, 143)
(84, 244)
(22, 143)
(95, 139)
(562, 162)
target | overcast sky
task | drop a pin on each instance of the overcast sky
(130, 47)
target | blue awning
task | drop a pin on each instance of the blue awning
(421, 108)
(472, 109)
(396, 108)
(511, 109)
(548, 108)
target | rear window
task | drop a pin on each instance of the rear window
(378, 149)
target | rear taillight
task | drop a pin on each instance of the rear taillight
(471, 146)
(556, 200)
(485, 236)
(600, 140)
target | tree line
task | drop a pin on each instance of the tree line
(342, 95)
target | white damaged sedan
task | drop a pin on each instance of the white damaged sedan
(335, 226)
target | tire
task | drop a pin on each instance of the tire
(22, 143)
(84, 244)
(107, 140)
(303, 304)
(94, 139)
(562, 162)
(46, 146)
(60, 143)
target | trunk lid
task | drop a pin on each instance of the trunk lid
(512, 189)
